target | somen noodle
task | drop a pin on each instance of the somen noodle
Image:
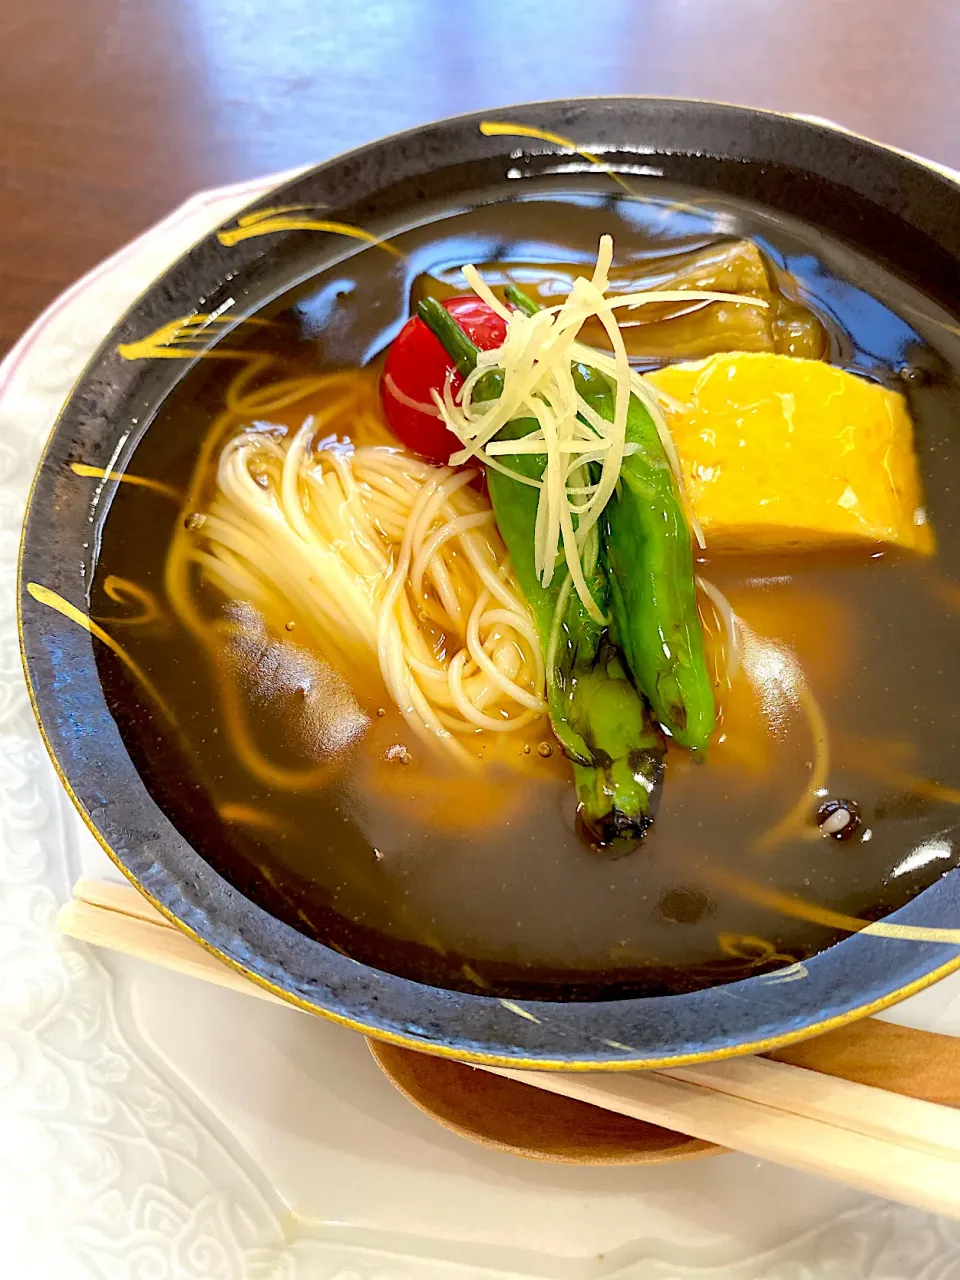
(379, 559)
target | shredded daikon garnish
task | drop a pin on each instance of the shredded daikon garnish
(401, 396)
(730, 623)
(583, 451)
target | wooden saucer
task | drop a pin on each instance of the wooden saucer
(530, 1122)
(514, 1117)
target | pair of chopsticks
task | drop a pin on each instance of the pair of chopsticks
(117, 917)
(893, 1146)
(903, 1148)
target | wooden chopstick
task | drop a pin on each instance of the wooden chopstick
(119, 918)
(924, 1175)
(118, 896)
(895, 1146)
(859, 1108)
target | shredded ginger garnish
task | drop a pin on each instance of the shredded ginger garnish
(535, 360)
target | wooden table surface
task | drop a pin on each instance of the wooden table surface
(112, 111)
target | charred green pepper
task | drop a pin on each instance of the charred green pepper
(600, 721)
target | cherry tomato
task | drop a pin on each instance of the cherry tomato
(417, 362)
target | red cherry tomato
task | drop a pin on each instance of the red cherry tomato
(417, 362)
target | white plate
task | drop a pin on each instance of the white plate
(154, 1128)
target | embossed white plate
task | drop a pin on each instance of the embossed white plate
(153, 1128)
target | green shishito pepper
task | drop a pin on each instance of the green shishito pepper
(653, 593)
(649, 558)
(600, 721)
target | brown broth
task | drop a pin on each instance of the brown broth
(486, 885)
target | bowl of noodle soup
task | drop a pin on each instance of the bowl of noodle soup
(493, 633)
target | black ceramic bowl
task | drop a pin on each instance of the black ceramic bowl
(888, 205)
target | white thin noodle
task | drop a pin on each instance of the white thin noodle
(384, 561)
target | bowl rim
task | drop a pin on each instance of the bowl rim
(463, 1026)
